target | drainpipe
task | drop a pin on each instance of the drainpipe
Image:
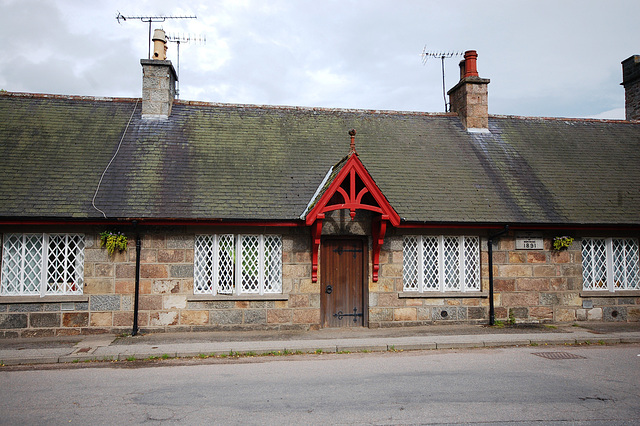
(492, 313)
(137, 290)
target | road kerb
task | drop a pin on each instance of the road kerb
(458, 345)
(489, 344)
(30, 360)
(411, 346)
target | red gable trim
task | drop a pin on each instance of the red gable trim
(351, 198)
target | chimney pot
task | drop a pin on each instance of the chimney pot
(159, 45)
(470, 66)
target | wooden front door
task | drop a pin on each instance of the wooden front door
(342, 281)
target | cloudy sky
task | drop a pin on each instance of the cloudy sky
(557, 58)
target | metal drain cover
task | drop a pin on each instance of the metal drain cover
(558, 355)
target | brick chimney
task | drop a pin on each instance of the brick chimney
(631, 83)
(469, 98)
(158, 81)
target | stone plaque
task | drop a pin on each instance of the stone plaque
(529, 243)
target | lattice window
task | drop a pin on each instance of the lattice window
(610, 264)
(226, 259)
(441, 263)
(204, 259)
(272, 264)
(44, 264)
(250, 264)
(242, 264)
(410, 274)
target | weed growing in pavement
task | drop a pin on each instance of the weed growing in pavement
(165, 356)
(131, 358)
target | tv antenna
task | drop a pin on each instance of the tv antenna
(442, 55)
(181, 38)
(151, 19)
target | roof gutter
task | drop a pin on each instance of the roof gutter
(154, 222)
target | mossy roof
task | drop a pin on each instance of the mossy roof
(240, 162)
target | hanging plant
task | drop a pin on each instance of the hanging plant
(562, 243)
(113, 241)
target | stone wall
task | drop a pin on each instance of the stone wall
(530, 286)
(632, 101)
(389, 306)
(546, 286)
(166, 299)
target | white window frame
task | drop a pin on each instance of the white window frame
(59, 265)
(251, 253)
(466, 263)
(606, 271)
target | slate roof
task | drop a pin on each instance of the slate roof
(237, 162)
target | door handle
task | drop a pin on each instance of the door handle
(328, 289)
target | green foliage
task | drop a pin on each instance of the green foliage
(113, 241)
(512, 318)
(562, 243)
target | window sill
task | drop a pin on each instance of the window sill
(45, 299)
(600, 293)
(235, 297)
(440, 295)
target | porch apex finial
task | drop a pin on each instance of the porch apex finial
(352, 148)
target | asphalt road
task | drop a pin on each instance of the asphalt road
(596, 385)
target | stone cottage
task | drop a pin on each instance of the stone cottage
(240, 217)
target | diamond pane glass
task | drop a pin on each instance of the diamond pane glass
(625, 264)
(430, 267)
(11, 264)
(594, 264)
(203, 264)
(65, 264)
(22, 264)
(272, 264)
(250, 268)
(410, 264)
(75, 264)
(226, 262)
(472, 263)
(31, 264)
(451, 263)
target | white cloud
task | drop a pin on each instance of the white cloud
(544, 58)
(612, 114)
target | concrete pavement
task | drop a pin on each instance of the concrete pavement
(171, 345)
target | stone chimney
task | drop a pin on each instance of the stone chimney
(469, 98)
(631, 83)
(158, 81)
